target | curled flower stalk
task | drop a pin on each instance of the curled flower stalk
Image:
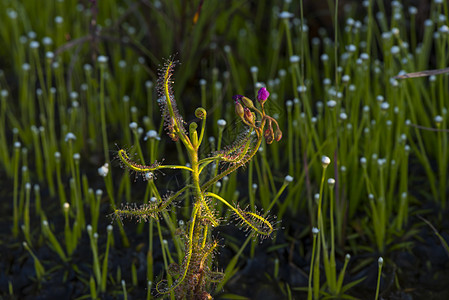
(194, 276)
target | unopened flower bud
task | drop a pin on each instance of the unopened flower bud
(269, 135)
(249, 117)
(239, 109)
(262, 95)
(277, 134)
(247, 102)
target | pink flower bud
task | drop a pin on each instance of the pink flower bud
(249, 117)
(262, 95)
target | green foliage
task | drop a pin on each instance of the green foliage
(77, 77)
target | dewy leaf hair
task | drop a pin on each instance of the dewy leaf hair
(173, 121)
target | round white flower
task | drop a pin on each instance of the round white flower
(294, 59)
(288, 179)
(286, 15)
(151, 134)
(70, 137)
(34, 44)
(221, 123)
(102, 59)
(103, 170)
(331, 103)
(325, 161)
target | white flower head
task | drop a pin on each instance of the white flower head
(331, 103)
(444, 29)
(384, 106)
(351, 48)
(122, 64)
(364, 56)
(151, 134)
(282, 72)
(26, 67)
(302, 89)
(325, 161)
(395, 31)
(103, 170)
(259, 85)
(294, 59)
(59, 20)
(12, 14)
(363, 161)
(394, 82)
(49, 55)
(69, 137)
(34, 44)
(288, 179)
(285, 15)
(102, 59)
(221, 123)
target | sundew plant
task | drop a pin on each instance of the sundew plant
(194, 274)
(358, 88)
